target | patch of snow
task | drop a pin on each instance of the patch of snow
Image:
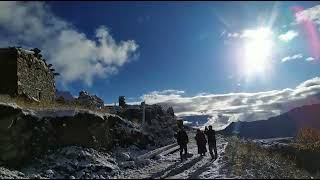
(26, 51)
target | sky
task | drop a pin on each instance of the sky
(231, 60)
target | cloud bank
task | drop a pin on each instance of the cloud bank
(226, 108)
(73, 54)
(311, 14)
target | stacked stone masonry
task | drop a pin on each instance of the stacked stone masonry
(24, 73)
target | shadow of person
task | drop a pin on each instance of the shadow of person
(160, 173)
(183, 167)
(200, 170)
(173, 170)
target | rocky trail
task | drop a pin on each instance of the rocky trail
(161, 163)
(165, 163)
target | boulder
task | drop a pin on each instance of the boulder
(122, 156)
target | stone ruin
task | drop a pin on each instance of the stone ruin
(122, 101)
(25, 73)
(91, 101)
(64, 96)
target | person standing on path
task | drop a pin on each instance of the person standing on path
(201, 142)
(211, 135)
(183, 140)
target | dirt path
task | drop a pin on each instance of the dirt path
(165, 163)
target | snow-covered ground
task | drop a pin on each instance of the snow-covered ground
(165, 163)
(159, 163)
(77, 162)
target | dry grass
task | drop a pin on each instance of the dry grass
(300, 159)
(248, 160)
(307, 149)
(308, 139)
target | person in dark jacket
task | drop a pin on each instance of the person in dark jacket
(182, 139)
(211, 135)
(201, 142)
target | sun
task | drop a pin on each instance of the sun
(257, 50)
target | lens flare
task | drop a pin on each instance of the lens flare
(257, 50)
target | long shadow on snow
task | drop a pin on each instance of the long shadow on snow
(173, 151)
(184, 167)
(200, 170)
(205, 167)
(172, 171)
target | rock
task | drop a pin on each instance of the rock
(49, 172)
(21, 174)
(101, 177)
(127, 164)
(157, 157)
(35, 176)
(142, 162)
(170, 111)
(72, 177)
(92, 165)
(123, 156)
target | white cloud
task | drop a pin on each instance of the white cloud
(310, 59)
(226, 108)
(252, 33)
(74, 55)
(233, 35)
(309, 83)
(288, 36)
(160, 96)
(311, 14)
(261, 33)
(289, 58)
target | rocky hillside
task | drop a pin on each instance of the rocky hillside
(26, 133)
(284, 125)
(160, 124)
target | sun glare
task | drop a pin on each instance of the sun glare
(257, 50)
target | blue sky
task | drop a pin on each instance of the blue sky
(179, 53)
(181, 47)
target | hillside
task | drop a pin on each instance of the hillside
(284, 125)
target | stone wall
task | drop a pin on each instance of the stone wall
(35, 78)
(8, 71)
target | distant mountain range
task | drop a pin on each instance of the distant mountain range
(284, 125)
(196, 120)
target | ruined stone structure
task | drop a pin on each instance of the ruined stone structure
(122, 101)
(24, 72)
(90, 101)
